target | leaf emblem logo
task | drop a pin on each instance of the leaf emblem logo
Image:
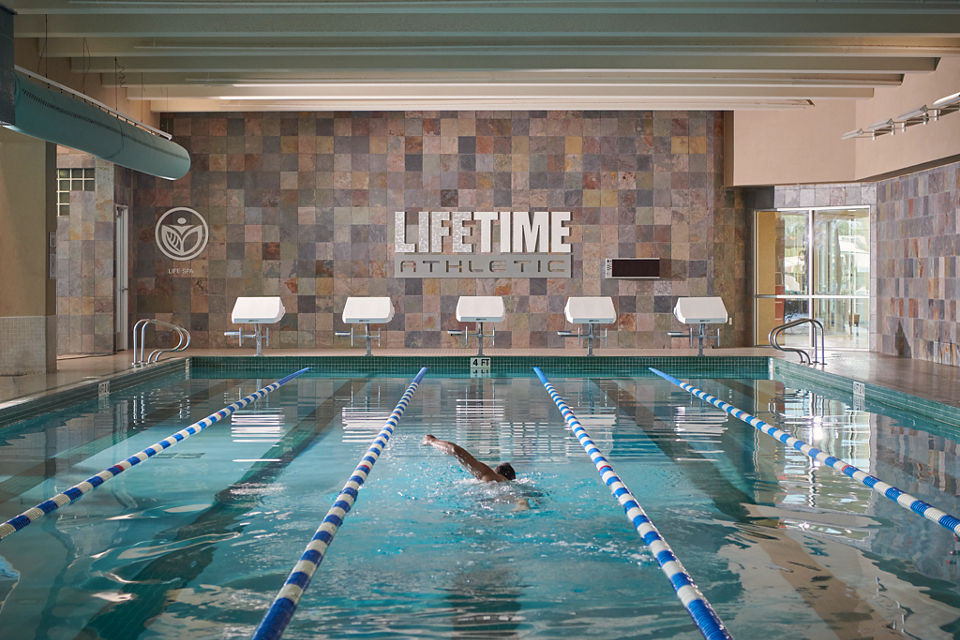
(182, 234)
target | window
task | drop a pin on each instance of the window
(813, 263)
(72, 180)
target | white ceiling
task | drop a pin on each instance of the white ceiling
(224, 55)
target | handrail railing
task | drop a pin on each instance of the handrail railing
(818, 356)
(479, 335)
(368, 336)
(587, 337)
(183, 341)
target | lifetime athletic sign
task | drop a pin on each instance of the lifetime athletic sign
(482, 244)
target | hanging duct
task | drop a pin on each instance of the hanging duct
(58, 116)
(6, 66)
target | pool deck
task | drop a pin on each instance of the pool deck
(939, 383)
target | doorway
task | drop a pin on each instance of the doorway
(813, 263)
(121, 277)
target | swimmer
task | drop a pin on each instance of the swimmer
(502, 473)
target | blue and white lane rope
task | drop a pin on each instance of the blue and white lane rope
(77, 491)
(905, 500)
(695, 602)
(285, 604)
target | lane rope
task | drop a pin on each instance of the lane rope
(285, 604)
(77, 491)
(695, 602)
(902, 498)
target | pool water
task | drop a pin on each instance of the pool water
(196, 542)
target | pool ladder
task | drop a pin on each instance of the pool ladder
(818, 356)
(183, 341)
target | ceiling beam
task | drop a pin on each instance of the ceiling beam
(169, 84)
(326, 6)
(494, 54)
(596, 91)
(506, 103)
(173, 83)
(755, 46)
(417, 20)
(509, 58)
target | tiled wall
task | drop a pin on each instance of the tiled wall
(85, 258)
(299, 205)
(825, 195)
(24, 340)
(918, 241)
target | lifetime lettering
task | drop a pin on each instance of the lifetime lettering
(494, 231)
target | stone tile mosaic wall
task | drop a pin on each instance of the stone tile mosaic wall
(825, 195)
(85, 258)
(917, 248)
(301, 206)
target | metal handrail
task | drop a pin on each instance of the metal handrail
(183, 341)
(479, 335)
(818, 356)
(586, 338)
(368, 336)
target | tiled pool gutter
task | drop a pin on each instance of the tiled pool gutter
(90, 389)
(905, 407)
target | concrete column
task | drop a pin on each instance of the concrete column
(28, 306)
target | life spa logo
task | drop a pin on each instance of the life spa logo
(182, 234)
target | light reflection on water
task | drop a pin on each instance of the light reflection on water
(196, 542)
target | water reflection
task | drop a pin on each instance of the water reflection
(485, 603)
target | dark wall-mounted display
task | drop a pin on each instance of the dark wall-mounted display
(631, 268)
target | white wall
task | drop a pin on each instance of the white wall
(805, 147)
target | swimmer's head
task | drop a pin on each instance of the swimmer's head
(506, 471)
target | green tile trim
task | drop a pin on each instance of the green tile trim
(907, 408)
(501, 365)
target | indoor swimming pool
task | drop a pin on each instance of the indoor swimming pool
(196, 541)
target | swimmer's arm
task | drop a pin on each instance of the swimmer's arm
(479, 470)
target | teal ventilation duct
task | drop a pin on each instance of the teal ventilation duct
(60, 117)
(6, 66)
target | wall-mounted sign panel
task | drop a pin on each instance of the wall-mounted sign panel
(488, 265)
(482, 244)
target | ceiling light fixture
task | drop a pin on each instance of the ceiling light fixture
(948, 104)
(921, 115)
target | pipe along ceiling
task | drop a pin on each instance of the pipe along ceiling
(58, 117)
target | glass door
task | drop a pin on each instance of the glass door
(813, 263)
(782, 276)
(841, 275)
